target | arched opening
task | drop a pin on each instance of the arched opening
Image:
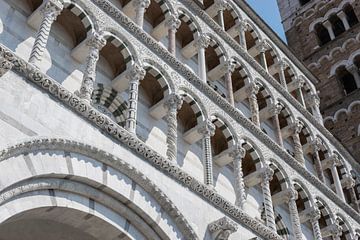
(350, 15)
(346, 79)
(322, 34)
(285, 125)
(337, 25)
(326, 221)
(252, 39)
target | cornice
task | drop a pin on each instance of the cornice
(130, 141)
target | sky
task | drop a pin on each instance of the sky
(268, 10)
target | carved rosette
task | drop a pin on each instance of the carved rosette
(222, 229)
(5, 66)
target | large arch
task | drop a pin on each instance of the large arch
(77, 164)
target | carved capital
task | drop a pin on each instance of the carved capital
(276, 108)
(335, 230)
(243, 26)
(229, 66)
(335, 160)
(222, 229)
(207, 129)
(254, 88)
(174, 101)
(173, 22)
(291, 195)
(262, 47)
(314, 214)
(51, 9)
(202, 42)
(267, 174)
(315, 100)
(316, 144)
(141, 3)
(137, 73)
(299, 83)
(96, 40)
(348, 181)
(282, 65)
(221, 4)
(5, 66)
(297, 126)
(238, 152)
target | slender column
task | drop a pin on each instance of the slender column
(316, 145)
(229, 68)
(315, 108)
(242, 36)
(50, 11)
(202, 42)
(354, 70)
(300, 85)
(262, 47)
(220, 5)
(275, 111)
(173, 104)
(140, 6)
(344, 20)
(254, 107)
(328, 26)
(282, 67)
(268, 206)
(314, 220)
(294, 214)
(238, 154)
(298, 151)
(335, 175)
(349, 183)
(135, 75)
(5, 66)
(173, 23)
(207, 130)
(95, 43)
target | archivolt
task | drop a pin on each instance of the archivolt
(106, 159)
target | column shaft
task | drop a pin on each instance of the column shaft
(202, 64)
(173, 23)
(295, 220)
(229, 87)
(316, 229)
(298, 151)
(268, 206)
(238, 154)
(328, 26)
(263, 60)
(337, 182)
(318, 166)
(207, 130)
(50, 12)
(282, 76)
(242, 36)
(278, 136)
(254, 107)
(221, 19)
(140, 6)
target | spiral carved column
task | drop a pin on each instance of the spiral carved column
(275, 111)
(95, 43)
(173, 104)
(50, 11)
(314, 220)
(254, 107)
(294, 214)
(238, 154)
(316, 145)
(268, 205)
(298, 151)
(229, 68)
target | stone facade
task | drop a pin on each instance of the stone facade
(149, 119)
(325, 35)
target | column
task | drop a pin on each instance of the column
(242, 35)
(294, 214)
(5, 66)
(282, 67)
(220, 5)
(300, 85)
(328, 26)
(135, 75)
(275, 111)
(238, 153)
(335, 175)
(207, 130)
(50, 11)
(229, 68)
(202, 42)
(314, 220)
(298, 151)
(262, 47)
(349, 183)
(173, 23)
(344, 20)
(173, 104)
(266, 177)
(354, 70)
(140, 6)
(316, 145)
(253, 90)
(315, 108)
(95, 43)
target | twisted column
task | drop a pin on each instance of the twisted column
(282, 67)
(95, 43)
(173, 23)
(298, 151)
(275, 111)
(242, 36)
(238, 153)
(229, 68)
(140, 6)
(207, 130)
(5, 66)
(316, 145)
(173, 104)
(50, 11)
(315, 108)
(254, 107)
(314, 220)
(294, 214)
(135, 75)
(266, 177)
(202, 42)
